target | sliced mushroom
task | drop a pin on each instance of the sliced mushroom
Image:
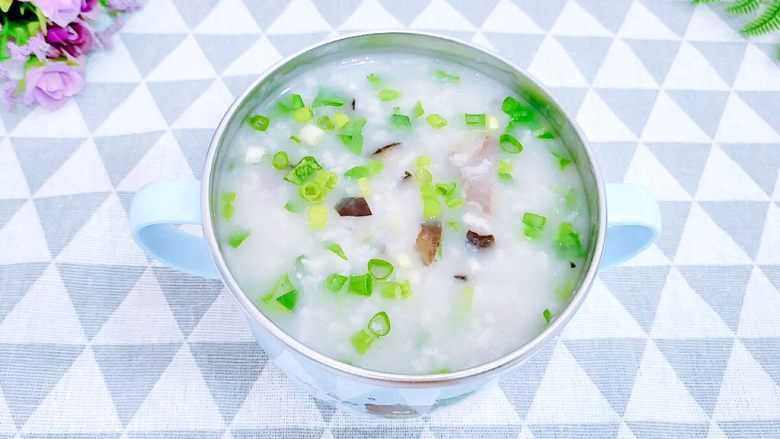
(385, 148)
(353, 206)
(480, 241)
(428, 241)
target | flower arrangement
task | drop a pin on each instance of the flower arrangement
(44, 43)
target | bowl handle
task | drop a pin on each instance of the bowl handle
(157, 209)
(633, 222)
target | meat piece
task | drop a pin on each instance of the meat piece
(476, 165)
(353, 206)
(385, 148)
(428, 241)
(480, 241)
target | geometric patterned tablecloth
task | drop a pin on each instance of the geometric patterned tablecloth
(684, 341)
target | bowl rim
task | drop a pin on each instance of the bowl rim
(483, 370)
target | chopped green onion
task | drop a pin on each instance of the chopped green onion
(293, 206)
(505, 169)
(335, 282)
(427, 190)
(454, 225)
(227, 205)
(544, 134)
(431, 207)
(380, 269)
(509, 144)
(361, 285)
(312, 191)
(447, 77)
(371, 168)
(303, 115)
(312, 134)
(351, 135)
(519, 112)
(491, 122)
(446, 189)
(564, 159)
(259, 122)
(357, 172)
(570, 199)
(288, 299)
(296, 139)
(423, 161)
(361, 341)
(436, 121)
(318, 216)
(379, 324)
(280, 160)
(400, 121)
(329, 98)
(340, 119)
(290, 103)
(325, 123)
(328, 180)
(547, 315)
(406, 288)
(364, 186)
(466, 301)
(534, 224)
(418, 110)
(423, 176)
(374, 167)
(567, 244)
(237, 238)
(475, 120)
(391, 290)
(374, 78)
(353, 143)
(388, 94)
(303, 170)
(335, 248)
(441, 371)
(454, 202)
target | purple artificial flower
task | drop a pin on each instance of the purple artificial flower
(72, 40)
(36, 45)
(50, 85)
(61, 12)
(88, 5)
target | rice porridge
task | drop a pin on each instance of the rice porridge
(402, 213)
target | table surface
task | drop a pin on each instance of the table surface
(683, 341)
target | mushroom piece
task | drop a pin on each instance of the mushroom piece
(480, 241)
(385, 148)
(353, 206)
(406, 176)
(428, 241)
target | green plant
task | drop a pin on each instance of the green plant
(765, 16)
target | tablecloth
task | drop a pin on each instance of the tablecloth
(96, 340)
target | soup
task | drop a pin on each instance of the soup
(402, 213)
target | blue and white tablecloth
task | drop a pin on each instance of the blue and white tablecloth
(684, 341)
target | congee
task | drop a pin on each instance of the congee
(402, 213)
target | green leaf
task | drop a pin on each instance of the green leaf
(768, 21)
(742, 7)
